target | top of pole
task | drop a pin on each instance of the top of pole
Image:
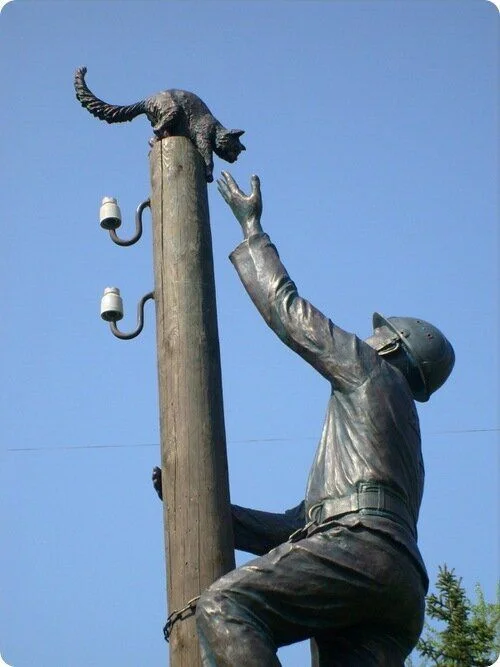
(171, 113)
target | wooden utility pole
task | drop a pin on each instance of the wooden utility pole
(197, 515)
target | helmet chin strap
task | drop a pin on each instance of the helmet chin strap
(402, 362)
(389, 347)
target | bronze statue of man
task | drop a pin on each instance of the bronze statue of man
(351, 578)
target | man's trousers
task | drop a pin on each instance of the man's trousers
(353, 590)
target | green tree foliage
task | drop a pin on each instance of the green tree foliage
(466, 634)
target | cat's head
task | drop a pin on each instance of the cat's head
(227, 144)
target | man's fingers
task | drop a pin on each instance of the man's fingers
(224, 190)
(157, 484)
(222, 186)
(231, 184)
(228, 179)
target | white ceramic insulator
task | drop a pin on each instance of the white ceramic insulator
(110, 216)
(111, 305)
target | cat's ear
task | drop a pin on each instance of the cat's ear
(237, 134)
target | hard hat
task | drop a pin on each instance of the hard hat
(428, 349)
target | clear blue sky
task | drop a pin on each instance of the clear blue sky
(374, 128)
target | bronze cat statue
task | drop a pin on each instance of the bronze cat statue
(171, 113)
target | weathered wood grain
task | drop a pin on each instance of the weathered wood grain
(198, 532)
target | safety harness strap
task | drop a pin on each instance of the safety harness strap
(369, 496)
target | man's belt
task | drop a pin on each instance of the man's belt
(373, 497)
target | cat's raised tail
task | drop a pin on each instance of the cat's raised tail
(102, 110)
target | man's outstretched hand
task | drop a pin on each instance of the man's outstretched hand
(247, 209)
(156, 477)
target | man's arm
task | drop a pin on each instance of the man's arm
(258, 532)
(338, 355)
(255, 531)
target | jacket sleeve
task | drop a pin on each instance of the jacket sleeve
(341, 357)
(258, 532)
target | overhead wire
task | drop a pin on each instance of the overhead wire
(245, 441)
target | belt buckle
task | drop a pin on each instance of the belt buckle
(374, 496)
(312, 509)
